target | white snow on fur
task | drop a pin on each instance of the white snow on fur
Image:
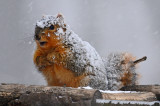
(83, 57)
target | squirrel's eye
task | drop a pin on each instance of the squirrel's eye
(123, 62)
(51, 27)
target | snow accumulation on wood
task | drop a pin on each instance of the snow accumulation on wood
(127, 102)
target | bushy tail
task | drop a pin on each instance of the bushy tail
(121, 70)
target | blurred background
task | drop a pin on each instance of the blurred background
(108, 25)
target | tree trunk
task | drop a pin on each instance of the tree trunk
(136, 96)
(32, 95)
(15, 94)
(144, 88)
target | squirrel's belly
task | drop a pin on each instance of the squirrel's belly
(57, 75)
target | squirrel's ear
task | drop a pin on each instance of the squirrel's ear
(59, 15)
(60, 18)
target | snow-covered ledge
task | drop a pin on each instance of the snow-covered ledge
(36, 95)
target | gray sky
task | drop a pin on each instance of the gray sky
(108, 25)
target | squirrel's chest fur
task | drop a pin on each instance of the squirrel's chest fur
(56, 74)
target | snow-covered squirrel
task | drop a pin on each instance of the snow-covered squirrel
(65, 59)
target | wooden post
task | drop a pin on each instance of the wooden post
(132, 96)
(34, 95)
(22, 95)
(144, 88)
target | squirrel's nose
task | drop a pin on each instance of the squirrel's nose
(37, 37)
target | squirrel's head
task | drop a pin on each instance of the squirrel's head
(49, 31)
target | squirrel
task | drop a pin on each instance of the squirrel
(66, 60)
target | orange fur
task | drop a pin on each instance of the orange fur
(54, 69)
(126, 79)
(56, 75)
(127, 75)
